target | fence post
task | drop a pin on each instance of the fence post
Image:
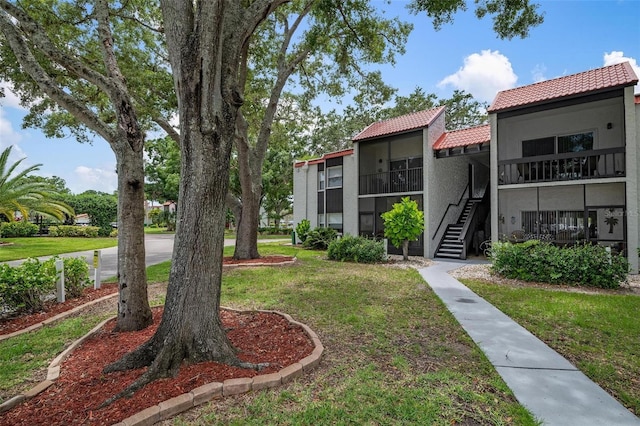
(60, 296)
(97, 266)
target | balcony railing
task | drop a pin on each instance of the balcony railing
(407, 180)
(602, 163)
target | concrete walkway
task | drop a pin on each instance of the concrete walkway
(554, 390)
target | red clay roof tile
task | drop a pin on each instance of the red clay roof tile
(464, 137)
(618, 75)
(402, 124)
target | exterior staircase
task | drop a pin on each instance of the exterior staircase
(451, 246)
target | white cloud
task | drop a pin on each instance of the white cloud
(9, 135)
(98, 179)
(10, 99)
(538, 73)
(616, 57)
(483, 75)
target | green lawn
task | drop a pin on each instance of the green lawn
(22, 248)
(153, 230)
(598, 333)
(22, 354)
(393, 353)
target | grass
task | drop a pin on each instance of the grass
(23, 248)
(22, 354)
(598, 333)
(393, 353)
(154, 230)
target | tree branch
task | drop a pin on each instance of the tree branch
(39, 38)
(31, 66)
(167, 127)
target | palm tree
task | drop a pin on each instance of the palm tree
(611, 220)
(19, 193)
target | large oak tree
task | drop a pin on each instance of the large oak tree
(207, 43)
(73, 63)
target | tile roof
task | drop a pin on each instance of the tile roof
(335, 154)
(464, 137)
(618, 75)
(402, 124)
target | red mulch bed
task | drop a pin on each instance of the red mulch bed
(52, 308)
(266, 259)
(73, 399)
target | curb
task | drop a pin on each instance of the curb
(58, 317)
(171, 407)
(249, 265)
(53, 372)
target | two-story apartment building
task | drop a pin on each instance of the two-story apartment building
(564, 160)
(558, 161)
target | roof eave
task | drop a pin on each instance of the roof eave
(562, 98)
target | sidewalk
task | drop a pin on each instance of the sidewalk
(554, 390)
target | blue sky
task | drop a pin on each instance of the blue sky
(577, 35)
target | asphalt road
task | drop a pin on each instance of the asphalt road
(158, 248)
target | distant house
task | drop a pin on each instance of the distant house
(148, 207)
(83, 219)
(170, 206)
(558, 161)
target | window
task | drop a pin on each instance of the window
(542, 146)
(335, 221)
(321, 220)
(334, 177)
(567, 143)
(556, 225)
(320, 180)
(575, 143)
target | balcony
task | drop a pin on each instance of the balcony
(408, 180)
(602, 163)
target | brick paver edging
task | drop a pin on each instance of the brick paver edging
(58, 317)
(249, 265)
(200, 395)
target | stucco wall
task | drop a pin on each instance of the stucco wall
(632, 130)
(350, 195)
(592, 116)
(305, 194)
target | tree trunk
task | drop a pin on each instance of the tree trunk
(247, 232)
(203, 48)
(405, 250)
(134, 312)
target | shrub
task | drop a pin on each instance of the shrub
(302, 229)
(18, 229)
(586, 264)
(74, 231)
(356, 249)
(76, 276)
(114, 233)
(272, 230)
(23, 288)
(320, 238)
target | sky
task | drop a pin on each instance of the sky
(577, 35)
